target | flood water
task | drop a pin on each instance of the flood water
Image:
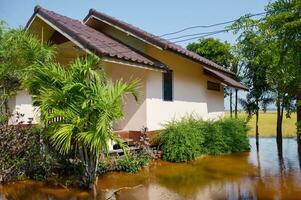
(268, 174)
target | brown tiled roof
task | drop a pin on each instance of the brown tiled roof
(224, 79)
(95, 41)
(156, 40)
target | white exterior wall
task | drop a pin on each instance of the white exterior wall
(190, 97)
(22, 104)
(190, 93)
(134, 112)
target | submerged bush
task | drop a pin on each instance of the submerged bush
(132, 163)
(235, 133)
(216, 141)
(186, 139)
(181, 140)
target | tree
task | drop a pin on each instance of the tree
(222, 54)
(252, 48)
(279, 33)
(85, 105)
(18, 51)
(281, 28)
(298, 104)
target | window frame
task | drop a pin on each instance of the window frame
(213, 84)
(164, 95)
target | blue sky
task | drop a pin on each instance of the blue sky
(155, 16)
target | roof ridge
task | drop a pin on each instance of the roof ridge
(93, 40)
(156, 40)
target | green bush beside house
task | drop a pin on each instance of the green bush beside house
(188, 138)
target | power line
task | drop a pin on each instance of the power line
(199, 37)
(197, 34)
(209, 26)
(204, 34)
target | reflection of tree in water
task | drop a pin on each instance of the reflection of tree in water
(299, 155)
(215, 177)
(213, 174)
(282, 178)
(28, 190)
(280, 158)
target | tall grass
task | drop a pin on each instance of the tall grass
(186, 139)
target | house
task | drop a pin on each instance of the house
(175, 82)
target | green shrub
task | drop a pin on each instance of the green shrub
(132, 163)
(21, 154)
(216, 141)
(235, 131)
(186, 139)
(105, 166)
(181, 140)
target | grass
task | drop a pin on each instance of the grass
(267, 124)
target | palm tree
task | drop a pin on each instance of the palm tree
(18, 51)
(85, 104)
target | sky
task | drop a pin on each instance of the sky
(155, 16)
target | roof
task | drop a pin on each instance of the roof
(105, 46)
(156, 40)
(96, 41)
(224, 79)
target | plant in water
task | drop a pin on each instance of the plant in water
(132, 163)
(185, 139)
(79, 106)
(180, 140)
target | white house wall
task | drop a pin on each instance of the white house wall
(22, 104)
(191, 97)
(134, 112)
(190, 93)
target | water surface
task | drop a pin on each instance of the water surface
(271, 173)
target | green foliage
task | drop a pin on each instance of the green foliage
(282, 29)
(87, 105)
(181, 140)
(105, 165)
(270, 52)
(216, 142)
(19, 51)
(132, 163)
(235, 134)
(252, 50)
(213, 49)
(186, 139)
(21, 154)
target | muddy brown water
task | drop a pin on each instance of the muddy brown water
(268, 174)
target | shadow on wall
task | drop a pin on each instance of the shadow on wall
(134, 115)
(23, 112)
(215, 103)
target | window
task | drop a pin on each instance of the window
(213, 86)
(167, 86)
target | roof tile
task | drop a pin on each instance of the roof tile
(156, 40)
(96, 41)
